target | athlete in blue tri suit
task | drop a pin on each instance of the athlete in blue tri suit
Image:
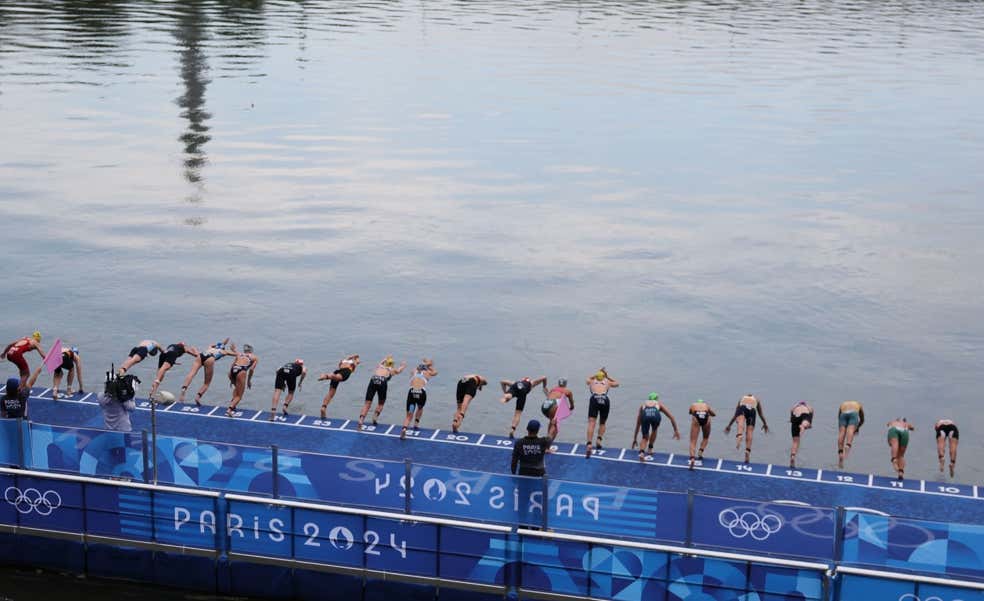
(648, 420)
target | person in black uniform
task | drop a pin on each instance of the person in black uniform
(287, 378)
(529, 452)
(13, 403)
(519, 390)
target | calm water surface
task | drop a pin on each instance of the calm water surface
(708, 198)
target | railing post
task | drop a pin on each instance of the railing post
(273, 462)
(20, 442)
(544, 504)
(146, 456)
(688, 540)
(407, 485)
(153, 435)
(838, 534)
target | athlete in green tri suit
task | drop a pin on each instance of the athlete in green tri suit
(898, 440)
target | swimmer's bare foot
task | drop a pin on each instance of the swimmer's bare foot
(691, 465)
(941, 464)
(953, 466)
(587, 453)
(324, 412)
(403, 433)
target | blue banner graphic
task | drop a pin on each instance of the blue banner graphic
(898, 543)
(625, 512)
(86, 452)
(763, 527)
(190, 462)
(514, 500)
(342, 480)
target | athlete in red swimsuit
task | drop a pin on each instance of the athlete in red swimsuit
(15, 353)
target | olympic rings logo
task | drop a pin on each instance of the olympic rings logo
(31, 499)
(749, 523)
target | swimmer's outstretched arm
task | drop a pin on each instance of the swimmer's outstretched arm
(733, 418)
(676, 431)
(612, 381)
(78, 370)
(758, 408)
(541, 381)
(505, 385)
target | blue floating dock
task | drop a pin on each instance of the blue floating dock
(491, 453)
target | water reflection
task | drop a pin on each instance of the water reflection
(190, 34)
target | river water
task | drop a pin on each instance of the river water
(708, 198)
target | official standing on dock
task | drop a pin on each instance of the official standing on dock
(529, 453)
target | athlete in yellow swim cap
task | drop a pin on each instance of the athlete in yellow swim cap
(377, 387)
(598, 405)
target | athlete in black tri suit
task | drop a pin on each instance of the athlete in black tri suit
(71, 363)
(378, 385)
(700, 424)
(748, 407)
(648, 419)
(598, 405)
(417, 395)
(168, 359)
(241, 376)
(518, 391)
(529, 452)
(946, 429)
(468, 387)
(345, 368)
(800, 420)
(287, 378)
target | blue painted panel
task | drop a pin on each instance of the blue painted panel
(926, 592)
(862, 588)
(626, 573)
(784, 583)
(473, 555)
(555, 566)
(764, 527)
(8, 442)
(945, 548)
